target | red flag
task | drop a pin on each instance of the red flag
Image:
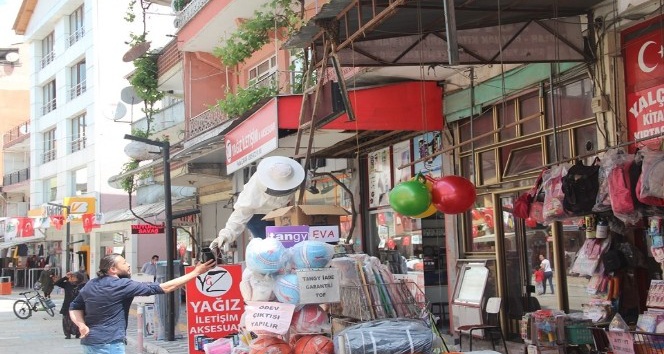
(88, 221)
(57, 221)
(25, 227)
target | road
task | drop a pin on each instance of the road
(40, 332)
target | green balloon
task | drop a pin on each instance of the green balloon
(410, 198)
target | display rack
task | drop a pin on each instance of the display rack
(379, 301)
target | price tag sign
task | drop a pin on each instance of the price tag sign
(273, 317)
(621, 342)
(319, 286)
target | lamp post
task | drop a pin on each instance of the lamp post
(165, 147)
(67, 234)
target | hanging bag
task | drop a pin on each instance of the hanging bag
(580, 187)
(553, 194)
(523, 203)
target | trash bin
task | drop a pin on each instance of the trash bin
(161, 300)
(5, 285)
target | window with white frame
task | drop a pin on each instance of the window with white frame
(78, 75)
(263, 73)
(78, 133)
(80, 181)
(48, 45)
(50, 151)
(51, 188)
(76, 26)
(48, 93)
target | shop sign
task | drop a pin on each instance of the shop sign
(288, 235)
(319, 286)
(214, 305)
(644, 80)
(253, 139)
(324, 233)
(147, 229)
(77, 207)
(621, 342)
(273, 317)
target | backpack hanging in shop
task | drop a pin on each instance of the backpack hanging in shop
(580, 187)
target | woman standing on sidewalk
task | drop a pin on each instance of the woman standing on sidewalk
(71, 283)
(46, 280)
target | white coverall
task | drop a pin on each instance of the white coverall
(252, 200)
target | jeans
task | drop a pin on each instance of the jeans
(548, 276)
(257, 226)
(112, 348)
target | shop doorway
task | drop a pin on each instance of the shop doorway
(522, 246)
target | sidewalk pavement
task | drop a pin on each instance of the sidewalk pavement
(42, 331)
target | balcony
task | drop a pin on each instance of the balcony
(75, 37)
(204, 122)
(16, 134)
(49, 155)
(48, 107)
(77, 90)
(16, 177)
(78, 144)
(168, 117)
(47, 59)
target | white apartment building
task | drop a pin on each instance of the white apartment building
(77, 135)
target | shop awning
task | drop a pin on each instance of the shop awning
(21, 240)
(144, 211)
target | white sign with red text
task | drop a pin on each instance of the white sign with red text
(253, 139)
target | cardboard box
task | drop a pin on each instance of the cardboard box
(312, 215)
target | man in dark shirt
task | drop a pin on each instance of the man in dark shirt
(101, 308)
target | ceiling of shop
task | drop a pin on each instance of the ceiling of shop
(409, 32)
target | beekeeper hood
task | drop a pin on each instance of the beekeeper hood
(280, 175)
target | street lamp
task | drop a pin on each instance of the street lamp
(165, 147)
(67, 234)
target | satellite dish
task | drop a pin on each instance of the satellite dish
(115, 111)
(12, 57)
(136, 52)
(128, 95)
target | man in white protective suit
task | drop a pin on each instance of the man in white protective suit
(276, 180)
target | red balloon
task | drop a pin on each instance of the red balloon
(453, 194)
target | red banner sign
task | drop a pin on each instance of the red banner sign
(146, 229)
(214, 305)
(644, 80)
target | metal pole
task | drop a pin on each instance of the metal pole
(170, 240)
(141, 324)
(68, 241)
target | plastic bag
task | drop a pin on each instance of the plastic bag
(394, 336)
(266, 256)
(256, 286)
(611, 159)
(554, 196)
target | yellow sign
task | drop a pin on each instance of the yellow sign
(79, 206)
(37, 213)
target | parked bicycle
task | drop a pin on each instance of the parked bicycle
(34, 301)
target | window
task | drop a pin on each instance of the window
(263, 73)
(78, 133)
(48, 43)
(49, 145)
(51, 189)
(76, 26)
(77, 80)
(80, 181)
(48, 93)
